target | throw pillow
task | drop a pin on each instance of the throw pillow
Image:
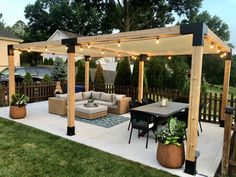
(116, 97)
(96, 95)
(62, 96)
(87, 95)
(78, 96)
(106, 97)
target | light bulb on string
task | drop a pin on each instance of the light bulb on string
(157, 40)
(118, 44)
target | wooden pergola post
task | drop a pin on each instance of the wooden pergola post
(70, 85)
(11, 67)
(86, 73)
(199, 31)
(140, 76)
(227, 137)
(225, 88)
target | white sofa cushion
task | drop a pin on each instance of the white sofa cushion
(87, 95)
(105, 103)
(106, 97)
(62, 96)
(96, 95)
(82, 102)
(116, 97)
(78, 96)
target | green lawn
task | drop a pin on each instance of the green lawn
(218, 89)
(25, 151)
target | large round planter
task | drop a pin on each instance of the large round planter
(170, 156)
(17, 112)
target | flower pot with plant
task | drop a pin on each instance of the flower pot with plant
(18, 106)
(170, 150)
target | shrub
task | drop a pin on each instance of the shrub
(47, 78)
(59, 72)
(123, 75)
(99, 79)
(28, 78)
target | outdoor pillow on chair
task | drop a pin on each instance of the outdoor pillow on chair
(87, 95)
(106, 97)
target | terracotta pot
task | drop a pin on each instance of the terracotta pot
(58, 88)
(170, 156)
(17, 112)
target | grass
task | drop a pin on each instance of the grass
(218, 89)
(25, 151)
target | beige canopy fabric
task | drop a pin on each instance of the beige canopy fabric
(165, 41)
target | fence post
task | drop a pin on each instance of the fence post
(226, 143)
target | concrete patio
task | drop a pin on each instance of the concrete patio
(114, 140)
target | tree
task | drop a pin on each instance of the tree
(31, 58)
(129, 15)
(158, 73)
(28, 78)
(233, 72)
(179, 72)
(80, 73)
(78, 16)
(2, 23)
(213, 69)
(99, 79)
(19, 29)
(59, 72)
(123, 75)
(92, 64)
(216, 24)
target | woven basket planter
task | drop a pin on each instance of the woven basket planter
(170, 156)
(17, 112)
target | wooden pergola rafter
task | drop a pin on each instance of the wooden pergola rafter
(193, 39)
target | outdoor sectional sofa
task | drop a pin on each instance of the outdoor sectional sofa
(117, 104)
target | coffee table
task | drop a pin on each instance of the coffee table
(90, 112)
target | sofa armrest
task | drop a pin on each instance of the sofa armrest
(57, 106)
(123, 105)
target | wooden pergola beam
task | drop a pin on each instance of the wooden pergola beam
(11, 67)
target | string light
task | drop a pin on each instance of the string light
(119, 54)
(148, 58)
(46, 49)
(89, 45)
(41, 54)
(29, 50)
(157, 40)
(225, 54)
(66, 48)
(118, 44)
(118, 58)
(222, 55)
(102, 52)
(15, 51)
(212, 45)
(169, 57)
(20, 52)
(218, 50)
(81, 48)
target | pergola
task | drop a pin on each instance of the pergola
(193, 39)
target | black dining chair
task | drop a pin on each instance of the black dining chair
(142, 122)
(147, 101)
(133, 104)
(183, 115)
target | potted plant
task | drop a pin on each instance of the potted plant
(17, 107)
(170, 150)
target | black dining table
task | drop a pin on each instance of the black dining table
(157, 110)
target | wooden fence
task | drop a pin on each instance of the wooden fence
(210, 113)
